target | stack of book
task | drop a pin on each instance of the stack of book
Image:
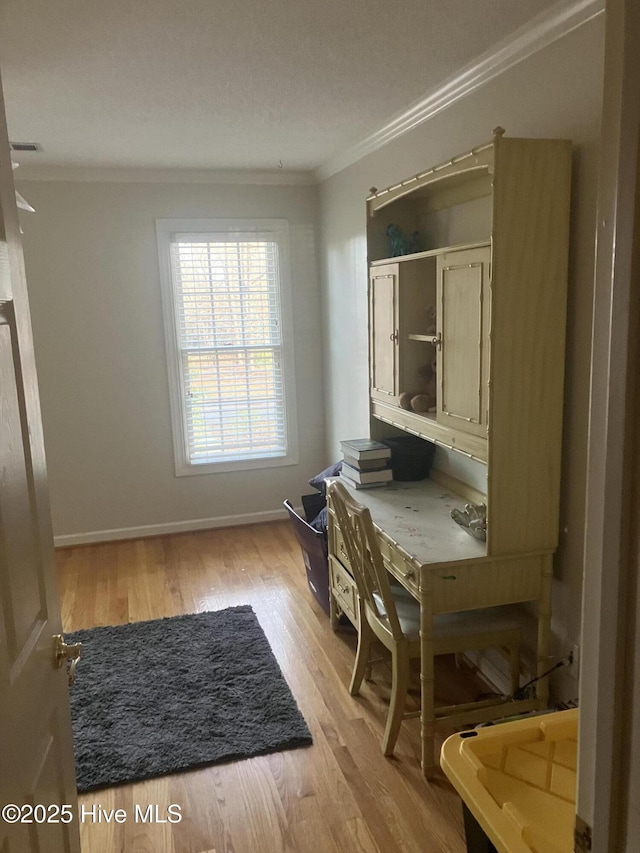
(366, 463)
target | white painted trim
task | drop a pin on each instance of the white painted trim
(146, 530)
(606, 773)
(33, 172)
(494, 666)
(541, 31)
(497, 676)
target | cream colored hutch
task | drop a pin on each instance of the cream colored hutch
(484, 307)
(498, 222)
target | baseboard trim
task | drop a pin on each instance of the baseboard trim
(494, 666)
(541, 31)
(146, 530)
(495, 675)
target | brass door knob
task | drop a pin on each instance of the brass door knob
(66, 652)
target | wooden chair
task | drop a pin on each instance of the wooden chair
(388, 613)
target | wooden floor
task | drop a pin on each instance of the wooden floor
(339, 795)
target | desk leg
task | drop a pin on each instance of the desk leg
(334, 616)
(427, 712)
(544, 630)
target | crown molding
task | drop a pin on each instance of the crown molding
(277, 177)
(557, 21)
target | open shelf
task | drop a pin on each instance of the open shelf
(430, 253)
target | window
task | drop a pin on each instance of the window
(226, 299)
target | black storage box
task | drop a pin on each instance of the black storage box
(313, 544)
(411, 457)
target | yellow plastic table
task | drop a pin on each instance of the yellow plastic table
(518, 780)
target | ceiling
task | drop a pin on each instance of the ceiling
(229, 84)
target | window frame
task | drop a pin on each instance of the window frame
(271, 229)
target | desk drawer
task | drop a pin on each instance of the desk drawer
(399, 567)
(339, 548)
(344, 589)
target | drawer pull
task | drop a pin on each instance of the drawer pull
(343, 552)
(343, 589)
(410, 575)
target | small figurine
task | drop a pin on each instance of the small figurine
(400, 244)
(473, 519)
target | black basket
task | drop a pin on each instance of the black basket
(411, 457)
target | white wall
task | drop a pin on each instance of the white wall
(555, 93)
(92, 268)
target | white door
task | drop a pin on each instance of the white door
(36, 752)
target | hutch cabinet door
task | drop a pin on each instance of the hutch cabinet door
(383, 334)
(463, 339)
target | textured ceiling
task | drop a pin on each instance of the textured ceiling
(215, 84)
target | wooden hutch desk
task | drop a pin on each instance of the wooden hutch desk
(472, 324)
(447, 571)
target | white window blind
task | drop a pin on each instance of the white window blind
(227, 314)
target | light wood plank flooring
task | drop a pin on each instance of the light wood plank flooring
(337, 796)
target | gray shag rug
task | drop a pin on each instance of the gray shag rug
(173, 694)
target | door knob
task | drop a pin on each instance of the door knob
(66, 652)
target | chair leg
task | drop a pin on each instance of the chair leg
(365, 640)
(399, 687)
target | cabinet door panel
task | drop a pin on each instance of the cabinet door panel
(384, 333)
(463, 326)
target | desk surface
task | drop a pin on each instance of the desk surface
(418, 517)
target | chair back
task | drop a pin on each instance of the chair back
(363, 551)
